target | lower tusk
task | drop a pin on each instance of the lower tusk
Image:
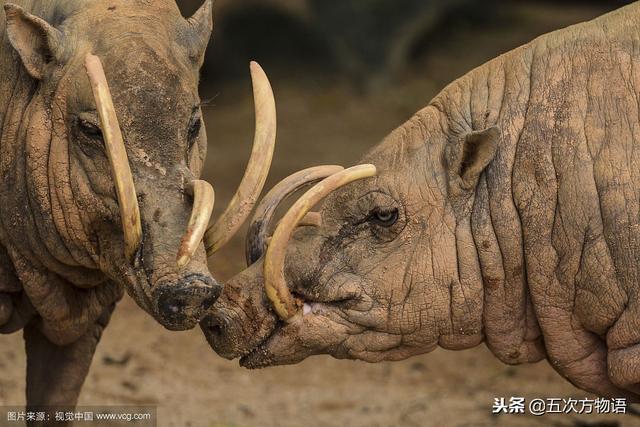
(258, 167)
(203, 200)
(274, 280)
(261, 222)
(117, 154)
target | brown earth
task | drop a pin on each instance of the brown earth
(321, 120)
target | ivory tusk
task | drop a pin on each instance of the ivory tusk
(312, 219)
(274, 280)
(257, 169)
(203, 201)
(117, 154)
(262, 219)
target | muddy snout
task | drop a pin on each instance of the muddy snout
(223, 330)
(232, 334)
(242, 318)
(181, 303)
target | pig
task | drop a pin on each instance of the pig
(505, 212)
(101, 147)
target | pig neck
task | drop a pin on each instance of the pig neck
(489, 296)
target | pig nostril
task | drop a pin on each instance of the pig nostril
(215, 329)
(215, 325)
(176, 306)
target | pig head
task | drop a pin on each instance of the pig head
(100, 184)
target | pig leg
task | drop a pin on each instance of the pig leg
(9, 284)
(55, 374)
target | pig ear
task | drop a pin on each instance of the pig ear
(469, 159)
(37, 42)
(199, 28)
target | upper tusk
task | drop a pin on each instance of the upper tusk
(203, 200)
(312, 219)
(257, 169)
(274, 280)
(117, 154)
(261, 222)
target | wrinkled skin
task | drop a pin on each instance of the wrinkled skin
(505, 212)
(62, 263)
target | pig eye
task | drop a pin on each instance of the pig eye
(194, 130)
(89, 129)
(384, 217)
(378, 214)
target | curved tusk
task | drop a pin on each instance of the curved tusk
(259, 228)
(274, 281)
(311, 219)
(203, 200)
(257, 169)
(117, 154)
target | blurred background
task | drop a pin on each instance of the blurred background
(345, 73)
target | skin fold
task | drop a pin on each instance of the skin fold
(504, 212)
(62, 263)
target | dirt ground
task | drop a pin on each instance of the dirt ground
(321, 120)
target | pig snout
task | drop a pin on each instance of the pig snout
(183, 302)
(242, 318)
(222, 331)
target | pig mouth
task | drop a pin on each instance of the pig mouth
(318, 313)
(260, 357)
(250, 330)
(320, 327)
